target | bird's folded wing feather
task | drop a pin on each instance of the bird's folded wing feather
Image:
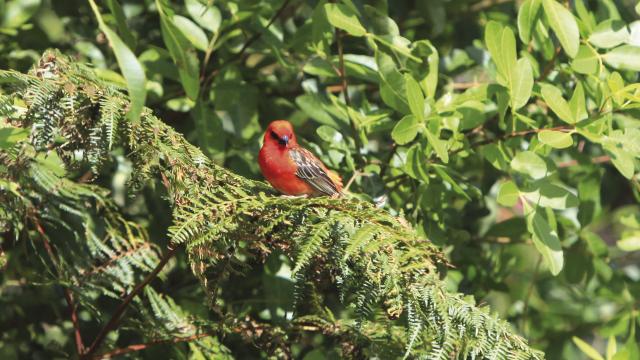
(311, 170)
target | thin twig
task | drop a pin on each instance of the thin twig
(596, 160)
(139, 347)
(125, 303)
(347, 100)
(68, 296)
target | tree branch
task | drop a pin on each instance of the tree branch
(125, 303)
(68, 296)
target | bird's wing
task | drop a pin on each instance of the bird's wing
(311, 170)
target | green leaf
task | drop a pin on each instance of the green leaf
(129, 65)
(508, 194)
(121, 21)
(18, 12)
(438, 145)
(9, 136)
(555, 139)
(552, 196)
(586, 61)
(496, 156)
(587, 349)
(527, 18)
(208, 17)
(564, 25)
(529, 163)
(342, 17)
(192, 32)
(612, 347)
(577, 103)
(501, 43)
(415, 98)
(546, 241)
(625, 57)
(630, 241)
(553, 97)
(609, 34)
(405, 130)
(183, 55)
(521, 84)
(416, 164)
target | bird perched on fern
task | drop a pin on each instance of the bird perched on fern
(292, 169)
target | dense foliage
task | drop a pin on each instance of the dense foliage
(495, 162)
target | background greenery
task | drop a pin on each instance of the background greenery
(505, 132)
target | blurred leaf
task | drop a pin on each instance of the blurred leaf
(18, 12)
(521, 84)
(546, 241)
(192, 32)
(609, 34)
(415, 98)
(342, 17)
(207, 17)
(9, 136)
(553, 97)
(211, 135)
(612, 347)
(587, 349)
(529, 163)
(438, 145)
(625, 57)
(555, 139)
(586, 61)
(121, 22)
(564, 25)
(405, 130)
(552, 196)
(184, 56)
(577, 103)
(129, 66)
(508, 194)
(527, 17)
(630, 241)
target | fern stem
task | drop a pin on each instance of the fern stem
(111, 325)
(68, 296)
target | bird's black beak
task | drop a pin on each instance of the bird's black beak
(284, 140)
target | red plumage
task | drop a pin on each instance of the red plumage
(291, 169)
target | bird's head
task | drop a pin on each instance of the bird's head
(280, 133)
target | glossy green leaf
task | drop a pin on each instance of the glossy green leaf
(530, 163)
(405, 130)
(527, 18)
(342, 17)
(625, 57)
(587, 349)
(182, 53)
(508, 194)
(546, 241)
(586, 61)
(18, 12)
(521, 84)
(555, 139)
(208, 17)
(564, 25)
(501, 43)
(552, 196)
(415, 98)
(121, 22)
(438, 145)
(609, 34)
(553, 97)
(577, 103)
(192, 32)
(129, 66)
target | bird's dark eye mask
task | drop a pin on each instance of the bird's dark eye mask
(275, 136)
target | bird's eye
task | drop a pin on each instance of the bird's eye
(275, 136)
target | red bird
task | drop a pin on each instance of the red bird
(291, 169)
